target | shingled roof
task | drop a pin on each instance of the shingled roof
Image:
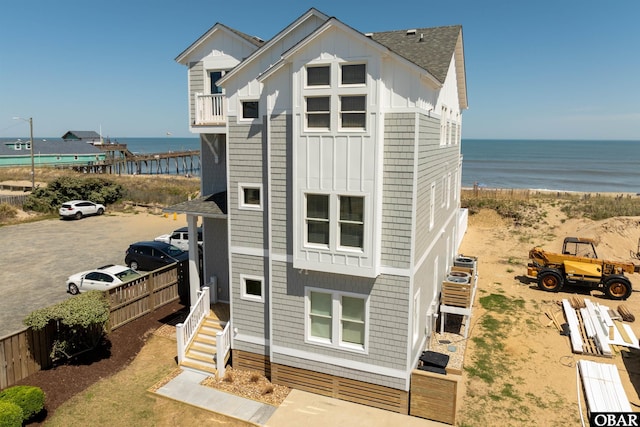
(85, 135)
(428, 48)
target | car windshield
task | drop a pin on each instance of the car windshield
(127, 275)
(173, 251)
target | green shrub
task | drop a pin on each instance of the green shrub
(10, 415)
(81, 323)
(65, 188)
(30, 399)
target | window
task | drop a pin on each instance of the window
(318, 219)
(337, 319)
(250, 109)
(318, 112)
(331, 105)
(352, 111)
(252, 288)
(214, 76)
(17, 146)
(250, 196)
(353, 74)
(432, 206)
(351, 222)
(319, 76)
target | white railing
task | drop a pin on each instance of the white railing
(186, 330)
(223, 344)
(210, 109)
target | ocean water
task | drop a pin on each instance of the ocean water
(562, 165)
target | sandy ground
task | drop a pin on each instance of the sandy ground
(38, 257)
(537, 380)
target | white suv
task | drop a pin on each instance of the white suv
(179, 238)
(79, 208)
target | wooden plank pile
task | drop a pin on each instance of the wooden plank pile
(595, 328)
(603, 388)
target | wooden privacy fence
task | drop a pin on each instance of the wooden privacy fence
(27, 351)
(17, 200)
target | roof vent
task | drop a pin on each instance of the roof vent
(368, 35)
(411, 32)
(421, 37)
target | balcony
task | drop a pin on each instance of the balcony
(210, 110)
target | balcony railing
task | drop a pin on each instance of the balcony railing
(210, 109)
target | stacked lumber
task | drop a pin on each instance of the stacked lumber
(593, 323)
(602, 387)
(627, 316)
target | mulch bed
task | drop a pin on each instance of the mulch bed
(119, 350)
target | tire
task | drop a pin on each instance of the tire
(618, 288)
(133, 265)
(73, 289)
(550, 281)
(78, 215)
(100, 211)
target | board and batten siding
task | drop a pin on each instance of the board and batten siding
(245, 153)
(281, 185)
(196, 85)
(250, 318)
(397, 197)
(387, 328)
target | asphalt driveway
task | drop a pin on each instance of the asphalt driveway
(38, 257)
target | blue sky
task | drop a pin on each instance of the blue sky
(549, 69)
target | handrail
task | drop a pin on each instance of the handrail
(186, 331)
(223, 345)
(209, 109)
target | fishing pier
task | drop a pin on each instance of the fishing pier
(119, 160)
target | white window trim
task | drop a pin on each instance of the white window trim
(318, 65)
(336, 329)
(242, 119)
(246, 206)
(416, 316)
(243, 288)
(432, 206)
(334, 91)
(334, 224)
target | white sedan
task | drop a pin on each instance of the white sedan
(101, 279)
(79, 208)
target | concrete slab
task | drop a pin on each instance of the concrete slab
(312, 410)
(186, 388)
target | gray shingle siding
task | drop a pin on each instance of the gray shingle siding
(249, 317)
(196, 85)
(246, 158)
(217, 256)
(281, 184)
(397, 196)
(434, 163)
(388, 321)
(214, 175)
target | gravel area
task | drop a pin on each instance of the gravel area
(40, 256)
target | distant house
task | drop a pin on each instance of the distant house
(49, 153)
(83, 135)
(331, 171)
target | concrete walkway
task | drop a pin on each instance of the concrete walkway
(299, 408)
(186, 388)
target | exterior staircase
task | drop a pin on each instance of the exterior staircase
(202, 352)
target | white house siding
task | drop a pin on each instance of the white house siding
(249, 317)
(384, 363)
(245, 154)
(244, 84)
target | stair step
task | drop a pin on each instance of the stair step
(205, 339)
(214, 323)
(208, 368)
(205, 350)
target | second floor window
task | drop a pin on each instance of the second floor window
(353, 111)
(347, 223)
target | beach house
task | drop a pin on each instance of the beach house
(330, 205)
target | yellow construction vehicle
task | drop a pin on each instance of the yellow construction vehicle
(579, 265)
